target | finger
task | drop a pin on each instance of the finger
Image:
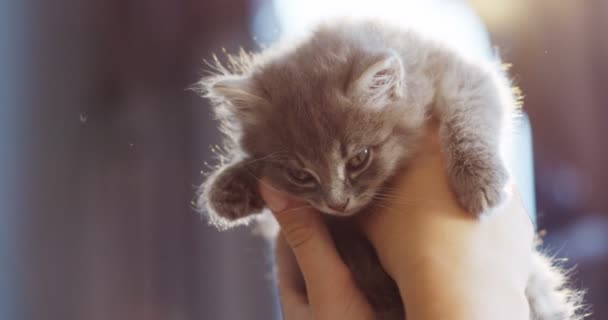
(288, 270)
(292, 291)
(305, 232)
(331, 289)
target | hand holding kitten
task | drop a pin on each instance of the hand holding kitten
(314, 283)
(333, 119)
(468, 269)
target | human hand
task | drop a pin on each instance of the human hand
(314, 283)
(447, 264)
(468, 268)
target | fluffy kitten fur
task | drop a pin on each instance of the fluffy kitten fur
(359, 92)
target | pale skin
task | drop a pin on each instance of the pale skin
(447, 264)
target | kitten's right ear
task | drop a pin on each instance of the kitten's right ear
(236, 94)
(379, 79)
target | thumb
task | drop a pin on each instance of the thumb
(328, 280)
(276, 200)
(300, 223)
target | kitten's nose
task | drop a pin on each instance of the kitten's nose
(340, 206)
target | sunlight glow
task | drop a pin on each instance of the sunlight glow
(452, 21)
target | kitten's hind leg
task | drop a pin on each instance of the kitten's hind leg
(471, 110)
(231, 193)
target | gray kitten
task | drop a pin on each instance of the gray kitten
(332, 118)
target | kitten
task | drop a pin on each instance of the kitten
(332, 118)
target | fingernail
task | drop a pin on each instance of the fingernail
(276, 201)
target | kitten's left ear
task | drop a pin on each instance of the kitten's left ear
(379, 80)
(238, 91)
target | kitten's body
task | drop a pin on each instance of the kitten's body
(332, 118)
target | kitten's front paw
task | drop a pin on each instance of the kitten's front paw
(479, 183)
(232, 193)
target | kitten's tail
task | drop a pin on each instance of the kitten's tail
(548, 292)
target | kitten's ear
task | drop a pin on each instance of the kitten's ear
(236, 95)
(378, 80)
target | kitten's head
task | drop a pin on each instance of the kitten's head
(329, 124)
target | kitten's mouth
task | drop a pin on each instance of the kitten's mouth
(341, 213)
(351, 209)
(345, 213)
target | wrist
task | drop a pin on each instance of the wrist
(440, 287)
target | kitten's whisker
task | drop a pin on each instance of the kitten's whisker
(390, 206)
(398, 194)
(388, 209)
(397, 201)
(278, 191)
(402, 196)
(264, 183)
(390, 188)
(391, 191)
(388, 195)
(395, 197)
(297, 208)
(271, 155)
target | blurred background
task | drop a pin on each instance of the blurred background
(101, 145)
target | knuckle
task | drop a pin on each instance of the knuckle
(298, 235)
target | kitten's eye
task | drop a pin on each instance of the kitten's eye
(359, 160)
(300, 176)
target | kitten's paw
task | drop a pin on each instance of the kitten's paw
(479, 183)
(232, 193)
